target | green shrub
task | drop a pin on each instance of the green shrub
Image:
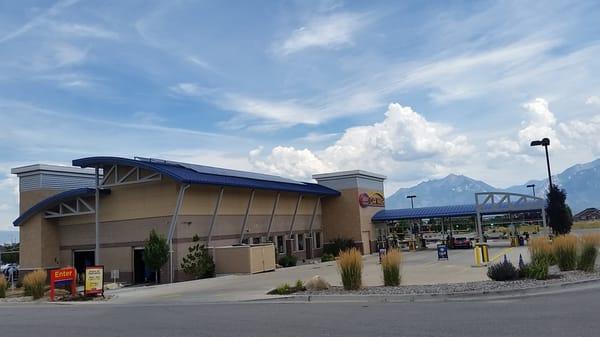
(327, 257)
(286, 289)
(537, 270)
(565, 252)
(35, 283)
(350, 268)
(390, 265)
(3, 286)
(503, 271)
(299, 284)
(156, 252)
(288, 261)
(587, 259)
(338, 245)
(198, 263)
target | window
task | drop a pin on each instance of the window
(256, 240)
(280, 246)
(318, 240)
(300, 240)
(245, 241)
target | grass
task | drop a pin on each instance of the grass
(540, 250)
(350, 268)
(390, 266)
(586, 224)
(35, 283)
(565, 252)
(3, 286)
(286, 289)
(588, 251)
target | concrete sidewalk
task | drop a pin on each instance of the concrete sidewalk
(420, 267)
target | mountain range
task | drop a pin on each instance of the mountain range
(581, 182)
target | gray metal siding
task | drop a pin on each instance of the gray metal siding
(54, 182)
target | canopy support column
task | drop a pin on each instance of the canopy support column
(273, 214)
(172, 226)
(97, 218)
(214, 217)
(295, 213)
(246, 215)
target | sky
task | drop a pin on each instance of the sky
(412, 90)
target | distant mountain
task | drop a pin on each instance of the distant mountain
(9, 236)
(451, 190)
(581, 181)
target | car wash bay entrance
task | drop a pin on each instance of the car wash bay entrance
(141, 273)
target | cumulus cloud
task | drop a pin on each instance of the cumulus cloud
(584, 131)
(332, 31)
(593, 100)
(402, 138)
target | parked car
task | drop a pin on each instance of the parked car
(461, 242)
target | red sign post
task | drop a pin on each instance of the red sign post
(63, 275)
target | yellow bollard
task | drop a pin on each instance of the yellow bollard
(485, 255)
(477, 253)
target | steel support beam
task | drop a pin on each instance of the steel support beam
(172, 226)
(273, 214)
(213, 220)
(246, 215)
(313, 216)
(97, 218)
(295, 213)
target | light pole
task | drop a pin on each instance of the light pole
(411, 197)
(532, 186)
(545, 142)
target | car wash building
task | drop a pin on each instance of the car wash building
(101, 210)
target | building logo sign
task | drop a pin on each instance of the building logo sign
(374, 199)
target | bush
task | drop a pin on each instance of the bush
(338, 245)
(286, 289)
(587, 259)
(540, 250)
(503, 271)
(327, 257)
(350, 267)
(156, 252)
(537, 270)
(3, 286)
(35, 283)
(390, 266)
(288, 261)
(198, 263)
(565, 252)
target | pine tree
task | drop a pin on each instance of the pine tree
(198, 263)
(559, 213)
(156, 252)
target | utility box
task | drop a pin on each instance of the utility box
(244, 259)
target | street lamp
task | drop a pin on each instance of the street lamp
(411, 197)
(545, 143)
(532, 186)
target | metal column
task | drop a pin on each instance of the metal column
(314, 214)
(295, 212)
(246, 216)
(172, 226)
(97, 217)
(273, 214)
(214, 217)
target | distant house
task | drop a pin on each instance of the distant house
(587, 214)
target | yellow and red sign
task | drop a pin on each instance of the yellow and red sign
(373, 199)
(94, 280)
(63, 275)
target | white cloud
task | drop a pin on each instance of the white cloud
(584, 132)
(81, 30)
(332, 31)
(540, 124)
(187, 89)
(593, 100)
(403, 138)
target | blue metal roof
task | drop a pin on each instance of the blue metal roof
(55, 200)
(206, 175)
(445, 211)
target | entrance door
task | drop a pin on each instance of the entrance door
(82, 259)
(141, 274)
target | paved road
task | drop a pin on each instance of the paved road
(569, 314)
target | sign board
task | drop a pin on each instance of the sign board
(374, 199)
(442, 251)
(94, 280)
(63, 276)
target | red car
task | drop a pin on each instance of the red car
(461, 242)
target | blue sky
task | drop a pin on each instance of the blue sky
(413, 90)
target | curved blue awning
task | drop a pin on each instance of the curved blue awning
(206, 175)
(55, 200)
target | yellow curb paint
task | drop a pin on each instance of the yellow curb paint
(504, 252)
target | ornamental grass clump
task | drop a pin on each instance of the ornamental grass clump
(565, 252)
(588, 252)
(540, 250)
(350, 268)
(3, 286)
(390, 266)
(35, 283)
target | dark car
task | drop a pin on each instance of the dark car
(461, 242)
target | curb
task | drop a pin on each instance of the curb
(436, 297)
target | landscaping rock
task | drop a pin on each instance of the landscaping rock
(317, 283)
